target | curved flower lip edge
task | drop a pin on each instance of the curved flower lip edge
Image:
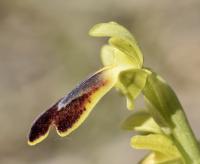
(71, 111)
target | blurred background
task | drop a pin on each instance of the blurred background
(45, 51)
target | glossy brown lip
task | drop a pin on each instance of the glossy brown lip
(68, 110)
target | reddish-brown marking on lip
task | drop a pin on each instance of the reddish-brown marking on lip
(41, 126)
(65, 117)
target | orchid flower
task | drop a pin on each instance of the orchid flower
(70, 111)
(163, 127)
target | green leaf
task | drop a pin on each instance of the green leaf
(155, 142)
(159, 158)
(162, 97)
(142, 122)
(131, 83)
(128, 47)
(110, 29)
(158, 118)
(165, 102)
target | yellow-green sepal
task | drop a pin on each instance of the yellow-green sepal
(110, 29)
(141, 122)
(156, 142)
(159, 158)
(121, 39)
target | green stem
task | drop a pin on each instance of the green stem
(167, 106)
(184, 138)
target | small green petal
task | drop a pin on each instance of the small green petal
(142, 122)
(112, 56)
(128, 47)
